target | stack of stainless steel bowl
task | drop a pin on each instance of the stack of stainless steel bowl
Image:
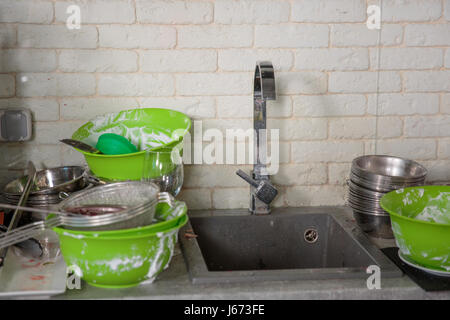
(51, 186)
(371, 177)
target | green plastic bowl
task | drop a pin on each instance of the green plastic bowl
(420, 218)
(109, 260)
(148, 128)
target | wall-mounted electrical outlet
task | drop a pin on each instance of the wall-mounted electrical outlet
(15, 125)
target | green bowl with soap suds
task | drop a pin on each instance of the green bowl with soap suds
(420, 218)
(146, 128)
(123, 258)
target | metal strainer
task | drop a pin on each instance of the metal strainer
(140, 198)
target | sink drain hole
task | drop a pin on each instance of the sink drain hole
(311, 235)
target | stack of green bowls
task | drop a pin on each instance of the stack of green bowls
(127, 257)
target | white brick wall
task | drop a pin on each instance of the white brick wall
(343, 90)
(55, 84)
(213, 83)
(338, 151)
(27, 60)
(98, 61)
(418, 149)
(364, 82)
(179, 60)
(328, 11)
(8, 36)
(42, 109)
(411, 10)
(25, 11)
(301, 83)
(56, 36)
(358, 35)
(215, 36)
(98, 11)
(291, 36)
(427, 126)
(403, 104)
(332, 105)
(331, 59)
(427, 34)
(174, 12)
(7, 85)
(137, 36)
(251, 12)
(132, 85)
(406, 58)
(244, 59)
(426, 81)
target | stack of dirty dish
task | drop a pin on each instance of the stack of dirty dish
(116, 235)
(51, 186)
(371, 177)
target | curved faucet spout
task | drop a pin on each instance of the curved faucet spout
(264, 81)
(261, 190)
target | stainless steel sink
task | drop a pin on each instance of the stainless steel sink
(289, 244)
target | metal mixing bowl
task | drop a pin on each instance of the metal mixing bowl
(49, 181)
(378, 225)
(388, 171)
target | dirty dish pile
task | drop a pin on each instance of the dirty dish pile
(50, 187)
(371, 177)
(421, 224)
(126, 257)
(116, 235)
(146, 129)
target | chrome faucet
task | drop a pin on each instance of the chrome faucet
(262, 192)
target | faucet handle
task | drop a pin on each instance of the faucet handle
(264, 190)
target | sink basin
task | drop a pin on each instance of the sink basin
(289, 244)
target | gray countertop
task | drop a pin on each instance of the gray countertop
(174, 283)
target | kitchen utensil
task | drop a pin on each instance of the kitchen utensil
(375, 225)
(49, 182)
(420, 219)
(119, 259)
(263, 190)
(384, 173)
(31, 247)
(149, 128)
(164, 167)
(139, 196)
(18, 213)
(81, 146)
(111, 143)
(371, 177)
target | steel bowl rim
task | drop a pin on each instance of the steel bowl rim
(356, 166)
(54, 189)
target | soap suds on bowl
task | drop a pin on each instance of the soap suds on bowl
(142, 137)
(437, 210)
